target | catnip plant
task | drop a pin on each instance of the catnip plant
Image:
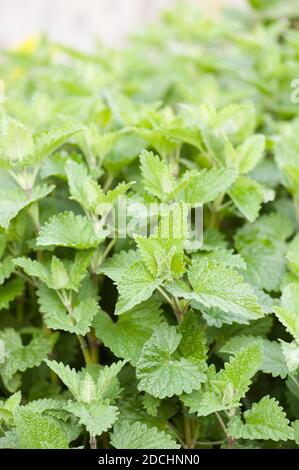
(149, 247)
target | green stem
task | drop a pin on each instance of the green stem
(173, 302)
(221, 422)
(85, 350)
(108, 182)
(214, 443)
(188, 432)
(84, 347)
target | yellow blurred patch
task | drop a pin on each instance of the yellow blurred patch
(17, 73)
(28, 46)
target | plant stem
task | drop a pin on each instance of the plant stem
(107, 250)
(211, 443)
(85, 350)
(188, 432)
(94, 347)
(221, 422)
(93, 442)
(84, 347)
(176, 432)
(108, 182)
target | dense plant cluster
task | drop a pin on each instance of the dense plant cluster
(147, 341)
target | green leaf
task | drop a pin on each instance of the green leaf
(157, 177)
(127, 336)
(288, 312)
(224, 390)
(96, 417)
(92, 384)
(263, 250)
(68, 229)
(193, 345)
(10, 291)
(207, 185)
(140, 436)
(162, 371)
(67, 375)
(50, 140)
(291, 355)
(135, 286)
(6, 269)
(295, 426)
(162, 252)
(250, 152)
(83, 188)
(222, 255)
(248, 196)
(12, 201)
(273, 361)
(59, 275)
(36, 431)
(216, 285)
(16, 141)
(34, 269)
(116, 266)
(265, 420)
(77, 320)
(293, 255)
(18, 357)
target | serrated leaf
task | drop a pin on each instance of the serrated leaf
(50, 140)
(16, 141)
(248, 196)
(273, 361)
(6, 269)
(265, 420)
(140, 436)
(193, 345)
(12, 201)
(250, 152)
(216, 285)
(288, 312)
(34, 269)
(225, 389)
(291, 355)
(162, 252)
(157, 177)
(127, 336)
(96, 417)
(115, 266)
(207, 185)
(18, 357)
(10, 291)
(83, 188)
(162, 371)
(293, 255)
(36, 431)
(135, 286)
(77, 320)
(68, 229)
(264, 252)
(59, 275)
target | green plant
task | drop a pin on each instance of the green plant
(160, 340)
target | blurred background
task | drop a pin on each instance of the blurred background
(78, 22)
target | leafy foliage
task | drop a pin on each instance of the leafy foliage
(149, 247)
